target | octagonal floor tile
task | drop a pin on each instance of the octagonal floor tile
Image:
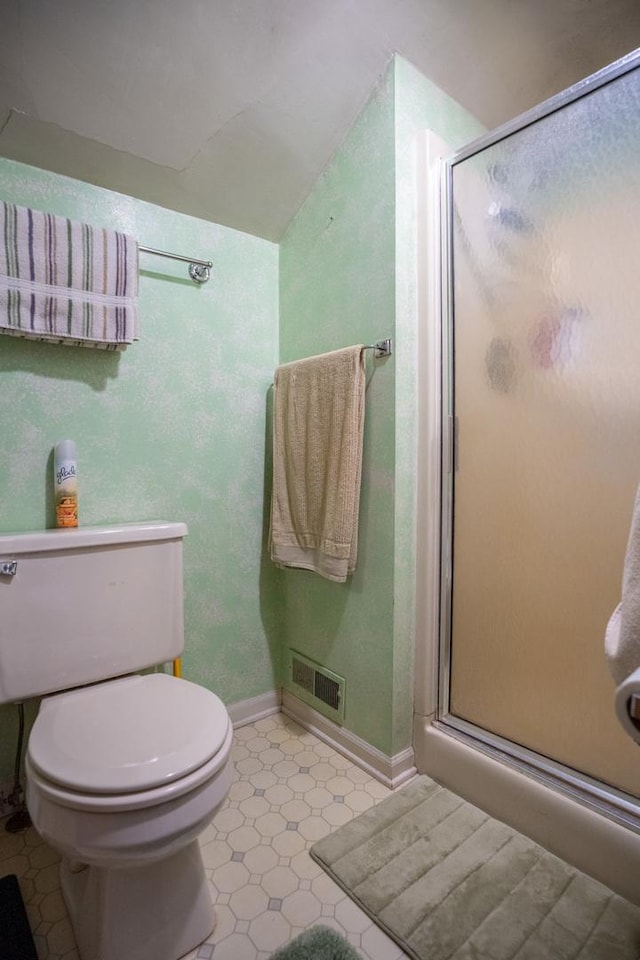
(301, 782)
(288, 790)
(264, 779)
(248, 902)
(337, 813)
(301, 908)
(244, 839)
(231, 877)
(268, 723)
(286, 769)
(304, 867)
(379, 946)
(247, 732)
(269, 931)
(278, 735)
(215, 853)
(254, 807)
(280, 882)
(278, 794)
(359, 801)
(270, 824)
(227, 819)
(307, 758)
(249, 766)
(260, 859)
(351, 916)
(326, 891)
(288, 843)
(237, 946)
(295, 811)
(314, 828)
(241, 790)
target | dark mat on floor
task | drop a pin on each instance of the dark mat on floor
(16, 942)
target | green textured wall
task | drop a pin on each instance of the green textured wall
(336, 289)
(348, 269)
(172, 428)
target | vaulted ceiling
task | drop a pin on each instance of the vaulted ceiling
(230, 109)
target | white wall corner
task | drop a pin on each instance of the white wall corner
(392, 771)
(431, 151)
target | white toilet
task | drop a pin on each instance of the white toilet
(124, 770)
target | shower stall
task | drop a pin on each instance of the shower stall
(533, 389)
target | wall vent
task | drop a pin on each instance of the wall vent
(315, 685)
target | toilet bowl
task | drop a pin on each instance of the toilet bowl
(129, 768)
(123, 769)
(122, 777)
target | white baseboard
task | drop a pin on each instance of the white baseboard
(392, 771)
(248, 711)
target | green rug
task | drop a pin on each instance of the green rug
(448, 882)
(318, 943)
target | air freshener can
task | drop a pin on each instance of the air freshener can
(65, 468)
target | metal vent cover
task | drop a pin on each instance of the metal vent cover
(327, 690)
(317, 686)
(302, 674)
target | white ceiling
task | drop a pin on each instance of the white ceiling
(230, 109)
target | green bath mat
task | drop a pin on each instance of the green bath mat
(318, 943)
(448, 882)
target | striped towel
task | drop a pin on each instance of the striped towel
(66, 282)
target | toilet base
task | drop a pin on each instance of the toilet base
(156, 911)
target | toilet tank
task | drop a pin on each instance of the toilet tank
(81, 605)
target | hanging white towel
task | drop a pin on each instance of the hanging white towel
(622, 638)
(318, 424)
(66, 282)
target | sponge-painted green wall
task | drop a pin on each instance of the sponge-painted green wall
(171, 428)
(348, 274)
(337, 288)
(176, 426)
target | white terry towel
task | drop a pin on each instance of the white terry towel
(318, 423)
(66, 282)
(622, 637)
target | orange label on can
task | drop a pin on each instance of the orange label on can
(67, 512)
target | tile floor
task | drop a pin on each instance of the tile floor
(289, 790)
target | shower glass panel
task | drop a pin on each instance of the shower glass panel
(545, 385)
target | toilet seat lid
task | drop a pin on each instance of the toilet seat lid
(126, 735)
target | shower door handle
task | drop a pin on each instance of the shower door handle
(452, 452)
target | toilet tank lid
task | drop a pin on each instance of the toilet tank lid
(13, 544)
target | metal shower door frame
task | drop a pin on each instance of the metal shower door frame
(607, 800)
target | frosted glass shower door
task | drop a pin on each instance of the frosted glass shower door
(545, 385)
